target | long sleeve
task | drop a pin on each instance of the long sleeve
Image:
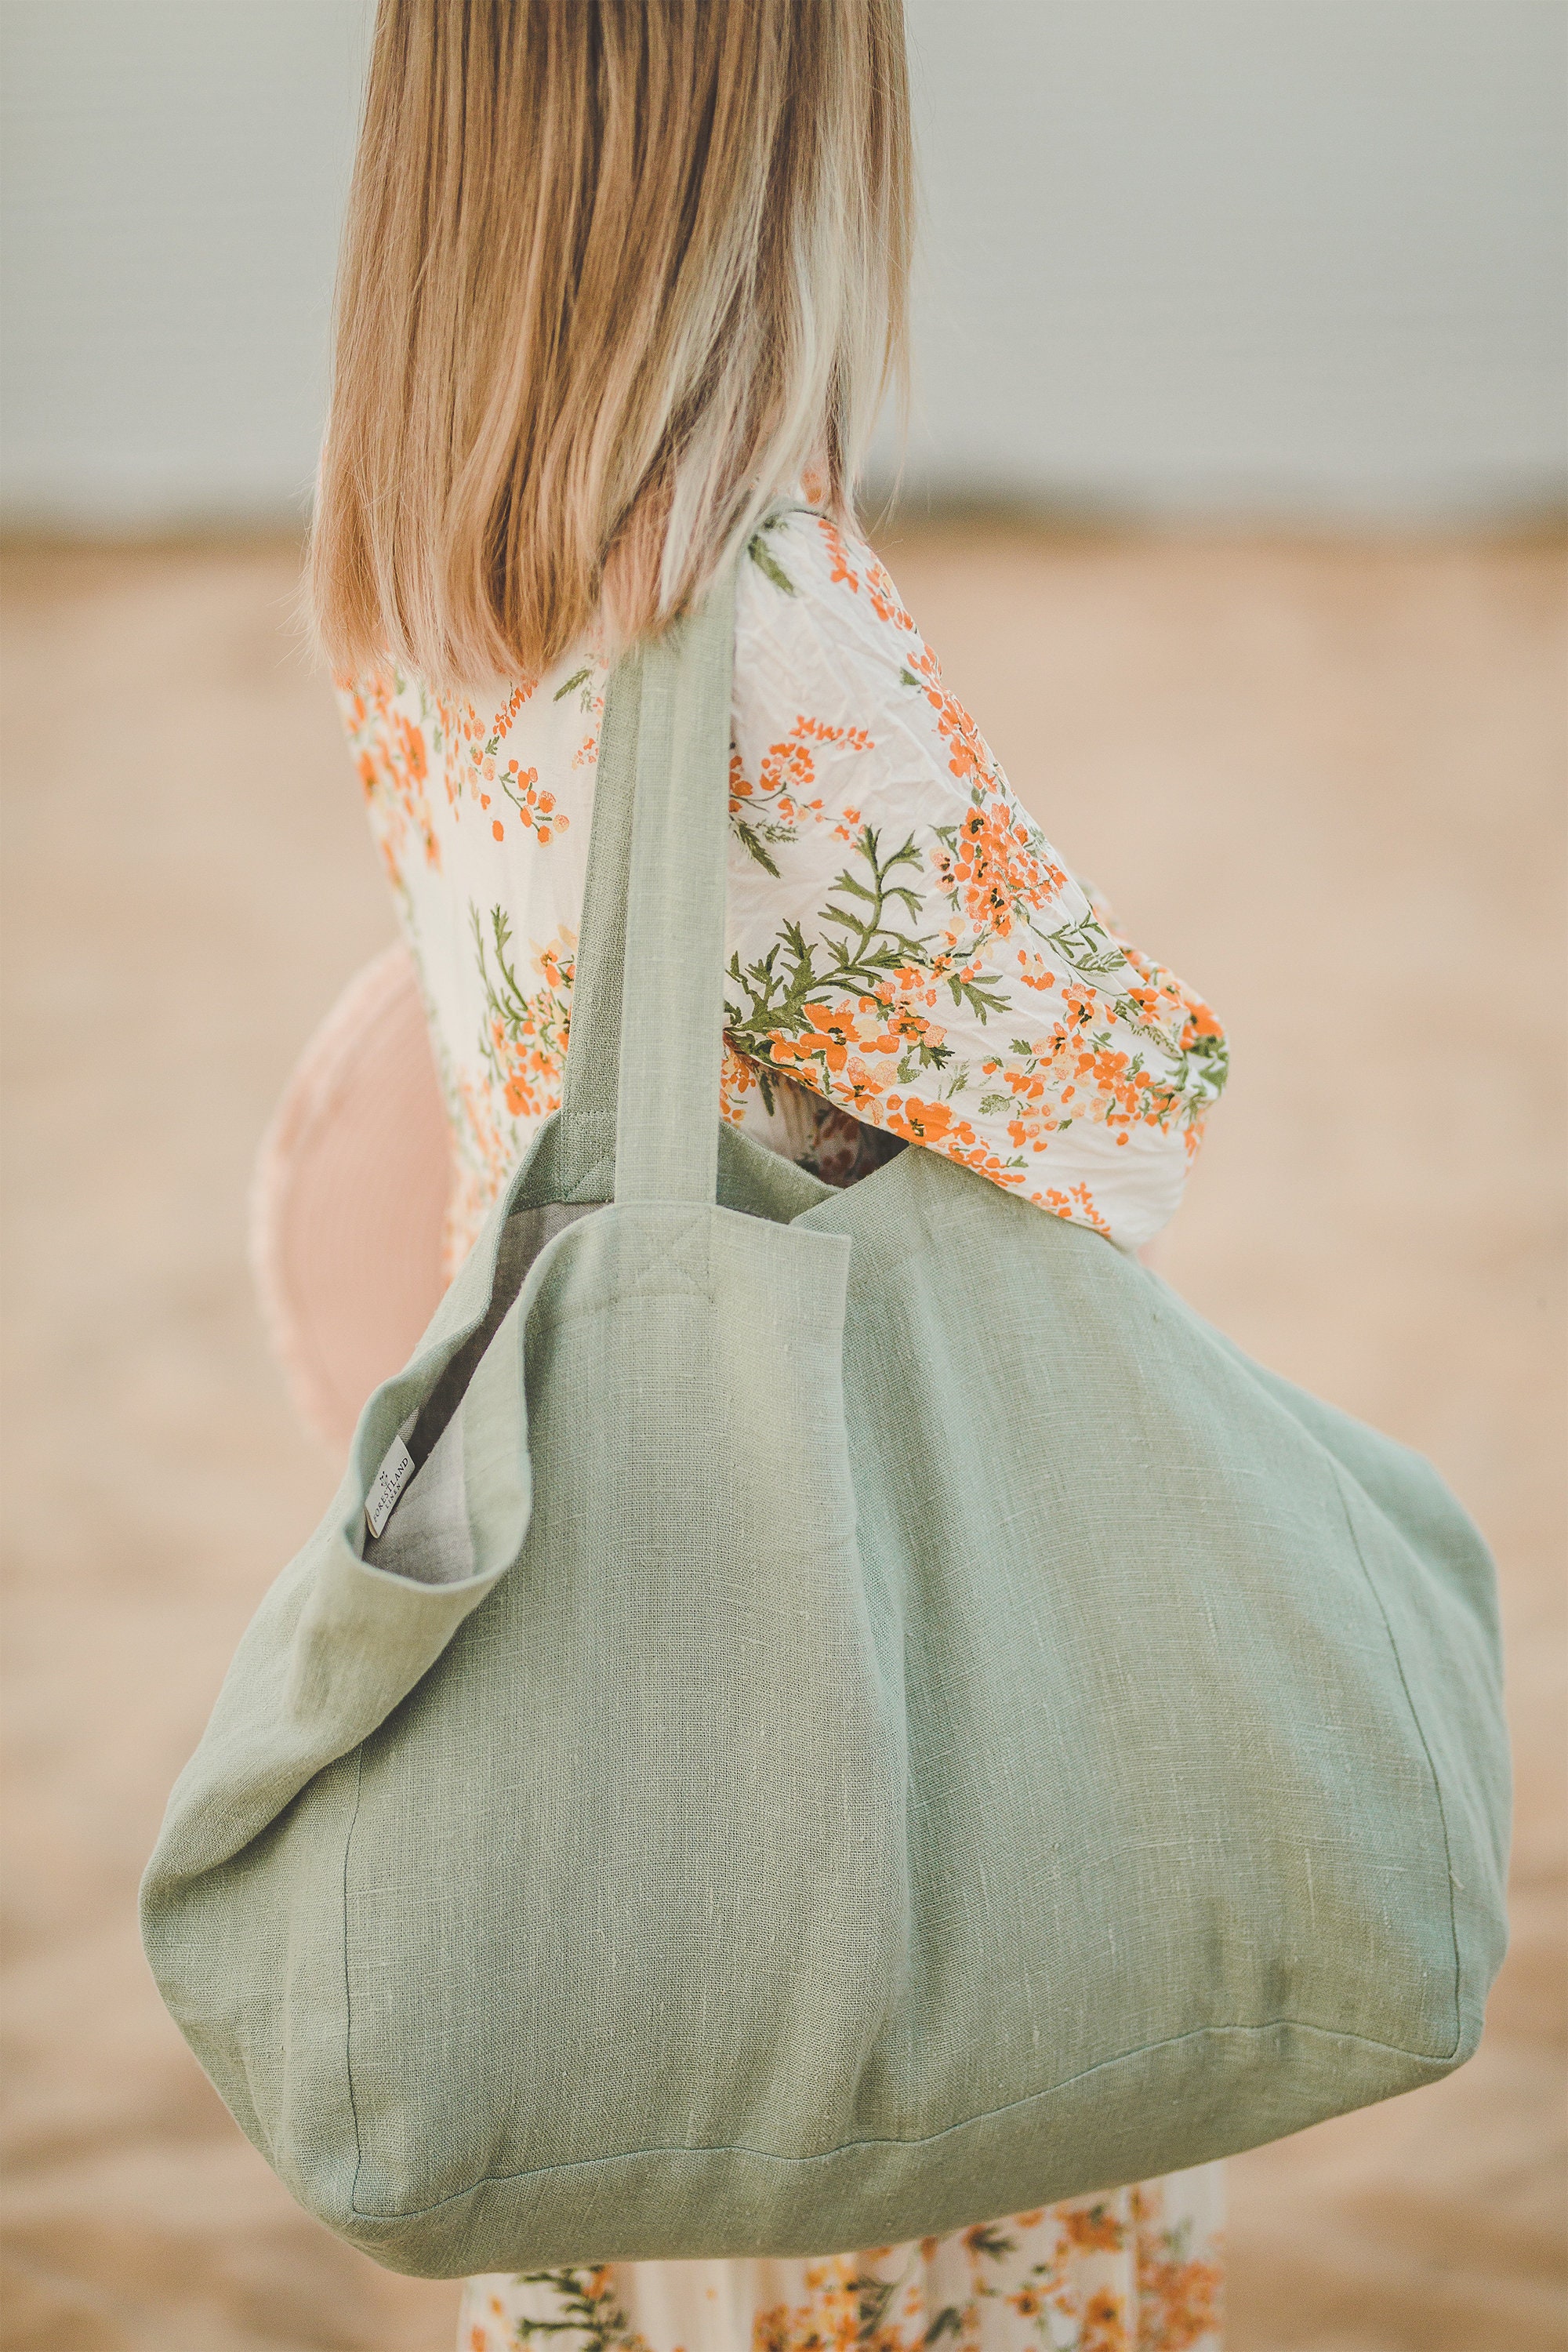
(905, 941)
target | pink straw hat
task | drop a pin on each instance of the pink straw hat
(350, 1187)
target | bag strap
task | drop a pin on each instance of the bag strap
(587, 1116)
(643, 1061)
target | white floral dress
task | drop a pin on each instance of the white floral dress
(909, 962)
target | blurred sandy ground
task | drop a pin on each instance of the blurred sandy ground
(1324, 781)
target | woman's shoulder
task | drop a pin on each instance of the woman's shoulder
(804, 578)
(824, 644)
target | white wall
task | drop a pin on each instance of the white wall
(172, 177)
(1306, 255)
(1302, 259)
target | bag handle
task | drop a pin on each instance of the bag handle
(643, 1061)
(587, 1115)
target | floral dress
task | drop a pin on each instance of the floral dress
(909, 962)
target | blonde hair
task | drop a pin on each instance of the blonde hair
(616, 274)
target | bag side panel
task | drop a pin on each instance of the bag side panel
(249, 1959)
(662, 1766)
(1161, 1751)
(1437, 1586)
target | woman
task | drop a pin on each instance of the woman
(623, 289)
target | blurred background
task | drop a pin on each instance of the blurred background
(1283, 260)
(1233, 502)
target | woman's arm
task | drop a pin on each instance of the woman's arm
(903, 939)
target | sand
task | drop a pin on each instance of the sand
(1324, 781)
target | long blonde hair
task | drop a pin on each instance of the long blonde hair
(615, 273)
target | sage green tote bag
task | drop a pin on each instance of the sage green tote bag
(861, 1713)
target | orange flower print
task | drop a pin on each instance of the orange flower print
(989, 866)
(535, 806)
(788, 768)
(881, 591)
(1103, 2329)
(838, 556)
(829, 1033)
(907, 1027)
(884, 599)
(927, 1122)
(858, 1087)
(522, 1044)
(983, 1160)
(555, 966)
(411, 743)
(390, 756)
(819, 732)
(738, 1078)
(768, 815)
(1077, 1205)
(1180, 2287)
(1033, 970)
(501, 723)
(1097, 2228)
(471, 743)
(965, 744)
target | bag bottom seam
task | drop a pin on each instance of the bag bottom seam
(1438, 2064)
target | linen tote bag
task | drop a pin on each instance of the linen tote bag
(816, 1719)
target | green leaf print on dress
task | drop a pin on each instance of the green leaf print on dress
(523, 1041)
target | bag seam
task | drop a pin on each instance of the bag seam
(1340, 1480)
(348, 1992)
(926, 2139)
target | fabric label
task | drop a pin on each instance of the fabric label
(395, 1471)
